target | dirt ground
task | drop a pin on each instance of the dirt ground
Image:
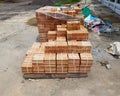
(15, 39)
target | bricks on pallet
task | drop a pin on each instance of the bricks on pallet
(86, 62)
(85, 47)
(41, 50)
(77, 9)
(56, 47)
(61, 39)
(64, 47)
(40, 16)
(47, 23)
(41, 26)
(27, 65)
(71, 12)
(81, 17)
(35, 47)
(62, 26)
(38, 63)
(79, 47)
(62, 63)
(73, 25)
(62, 22)
(61, 32)
(43, 35)
(65, 11)
(50, 47)
(43, 40)
(50, 63)
(72, 46)
(52, 35)
(61, 47)
(80, 35)
(73, 63)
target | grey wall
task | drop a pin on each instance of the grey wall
(113, 5)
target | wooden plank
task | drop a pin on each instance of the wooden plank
(55, 76)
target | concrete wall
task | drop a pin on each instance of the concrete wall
(113, 5)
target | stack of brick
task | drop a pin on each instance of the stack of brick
(73, 25)
(70, 12)
(50, 63)
(73, 63)
(38, 63)
(76, 31)
(27, 65)
(78, 10)
(86, 62)
(56, 47)
(67, 49)
(52, 35)
(72, 31)
(57, 62)
(79, 46)
(47, 23)
(62, 63)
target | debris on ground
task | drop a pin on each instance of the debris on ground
(114, 48)
(86, 12)
(106, 64)
(96, 24)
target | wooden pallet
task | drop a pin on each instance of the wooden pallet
(54, 76)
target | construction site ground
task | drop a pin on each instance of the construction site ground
(16, 37)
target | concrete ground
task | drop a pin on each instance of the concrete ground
(15, 39)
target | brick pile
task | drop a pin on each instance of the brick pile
(47, 23)
(66, 50)
(56, 62)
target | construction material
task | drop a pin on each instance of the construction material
(62, 63)
(80, 35)
(38, 63)
(52, 35)
(73, 63)
(46, 23)
(49, 17)
(27, 65)
(58, 61)
(61, 39)
(63, 51)
(86, 62)
(77, 10)
(73, 25)
(61, 32)
(50, 63)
